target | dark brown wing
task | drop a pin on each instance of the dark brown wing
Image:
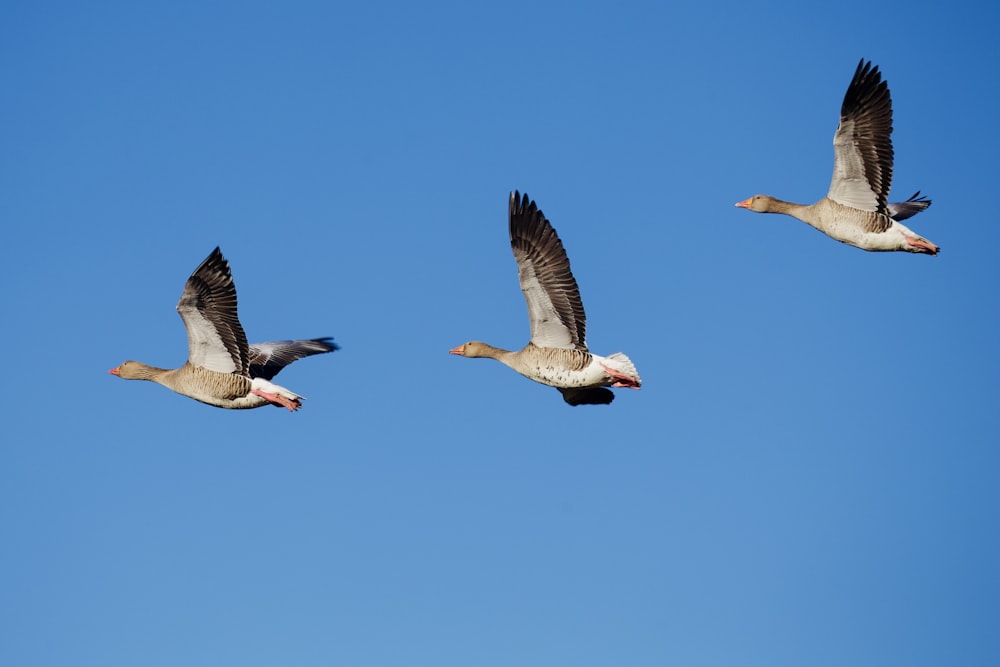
(900, 211)
(588, 396)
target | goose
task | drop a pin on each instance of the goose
(222, 369)
(557, 353)
(856, 210)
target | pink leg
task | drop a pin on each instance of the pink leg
(278, 399)
(622, 379)
(921, 243)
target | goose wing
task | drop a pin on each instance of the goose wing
(267, 359)
(900, 211)
(588, 396)
(862, 166)
(216, 340)
(555, 309)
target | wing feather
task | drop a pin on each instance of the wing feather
(900, 211)
(588, 395)
(555, 309)
(216, 340)
(862, 167)
(267, 359)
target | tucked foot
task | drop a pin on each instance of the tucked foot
(918, 242)
(621, 380)
(278, 399)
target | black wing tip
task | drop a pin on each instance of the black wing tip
(527, 224)
(866, 87)
(524, 216)
(327, 342)
(312, 345)
(903, 210)
(216, 262)
(867, 75)
(522, 205)
(216, 257)
(865, 69)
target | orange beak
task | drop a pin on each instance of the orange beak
(745, 203)
(114, 371)
(460, 350)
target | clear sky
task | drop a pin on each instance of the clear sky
(807, 477)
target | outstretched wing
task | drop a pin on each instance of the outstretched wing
(862, 165)
(216, 340)
(267, 359)
(900, 211)
(555, 309)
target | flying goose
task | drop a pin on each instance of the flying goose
(222, 369)
(856, 210)
(557, 354)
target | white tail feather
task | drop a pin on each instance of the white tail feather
(624, 365)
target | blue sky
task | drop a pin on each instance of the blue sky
(807, 477)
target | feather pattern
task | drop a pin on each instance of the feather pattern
(557, 353)
(555, 309)
(222, 369)
(267, 359)
(216, 340)
(856, 210)
(900, 211)
(863, 156)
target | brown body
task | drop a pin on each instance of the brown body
(222, 368)
(557, 354)
(856, 210)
